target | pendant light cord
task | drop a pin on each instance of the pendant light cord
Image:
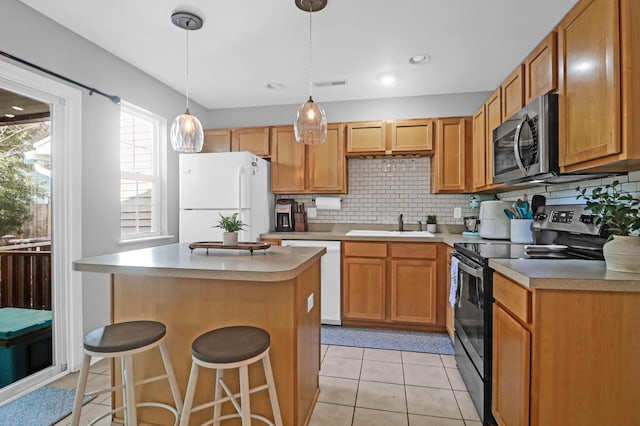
(187, 38)
(310, 49)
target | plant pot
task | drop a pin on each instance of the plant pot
(431, 227)
(621, 254)
(230, 238)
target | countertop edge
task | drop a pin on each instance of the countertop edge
(83, 265)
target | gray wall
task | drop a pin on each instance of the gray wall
(452, 105)
(35, 38)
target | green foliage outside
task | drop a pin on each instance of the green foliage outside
(18, 187)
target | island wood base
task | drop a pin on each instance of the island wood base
(191, 306)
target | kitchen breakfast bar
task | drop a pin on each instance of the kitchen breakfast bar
(193, 292)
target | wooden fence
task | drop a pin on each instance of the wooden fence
(25, 276)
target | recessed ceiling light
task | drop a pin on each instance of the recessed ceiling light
(419, 59)
(275, 86)
(387, 79)
(17, 108)
(9, 115)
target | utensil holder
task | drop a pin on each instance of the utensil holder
(522, 231)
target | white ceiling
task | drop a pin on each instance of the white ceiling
(243, 45)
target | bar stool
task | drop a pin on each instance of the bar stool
(225, 348)
(123, 340)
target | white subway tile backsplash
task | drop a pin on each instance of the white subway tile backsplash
(381, 189)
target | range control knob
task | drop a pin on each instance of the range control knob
(540, 216)
(586, 218)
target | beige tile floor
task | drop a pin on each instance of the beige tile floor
(358, 387)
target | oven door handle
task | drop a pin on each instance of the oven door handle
(516, 144)
(469, 270)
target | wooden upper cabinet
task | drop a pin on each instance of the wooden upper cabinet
(513, 93)
(217, 140)
(326, 163)
(297, 168)
(366, 137)
(449, 163)
(252, 139)
(541, 69)
(411, 135)
(287, 161)
(493, 110)
(479, 150)
(589, 81)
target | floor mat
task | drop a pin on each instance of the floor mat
(414, 341)
(42, 407)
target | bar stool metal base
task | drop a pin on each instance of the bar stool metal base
(243, 409)
(128, 384)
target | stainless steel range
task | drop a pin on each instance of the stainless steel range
(560, 232)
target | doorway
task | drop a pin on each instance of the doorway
(40, 153)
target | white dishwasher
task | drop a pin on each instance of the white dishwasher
(330, 289)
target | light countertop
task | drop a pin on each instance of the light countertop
(565, 274)
(440, 237)
(177, 260)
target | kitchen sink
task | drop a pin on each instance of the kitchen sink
(379, 233)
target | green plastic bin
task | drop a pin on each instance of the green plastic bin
(25, 343)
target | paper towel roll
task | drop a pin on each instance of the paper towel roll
(328, 203)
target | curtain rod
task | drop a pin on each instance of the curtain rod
(115, 99)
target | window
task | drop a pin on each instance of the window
(142, 135)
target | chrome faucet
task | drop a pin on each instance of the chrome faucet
(400, 223)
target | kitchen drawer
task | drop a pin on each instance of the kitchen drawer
(513, 297)
(413, 250)
(362, 249)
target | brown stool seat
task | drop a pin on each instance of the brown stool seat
(124, 336)
(230, 344)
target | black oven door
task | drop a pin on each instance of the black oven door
(473, 304)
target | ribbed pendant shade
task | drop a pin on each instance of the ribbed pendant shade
(310, 126)
(186, 131)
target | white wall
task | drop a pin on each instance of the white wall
(452, 105)
(35, 38)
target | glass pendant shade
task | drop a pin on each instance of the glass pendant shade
(310, 126)
(186, 133)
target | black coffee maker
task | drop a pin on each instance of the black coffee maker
(285, 219)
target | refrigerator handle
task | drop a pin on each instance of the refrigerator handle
(240, 173)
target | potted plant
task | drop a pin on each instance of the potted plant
(619, 211)
(431, 223)
(231, 225)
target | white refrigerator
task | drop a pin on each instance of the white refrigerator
(214, 184)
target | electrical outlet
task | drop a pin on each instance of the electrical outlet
(312, 212)
(457, 212)
(310, 302)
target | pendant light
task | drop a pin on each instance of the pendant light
(186, 130)
(310, 127)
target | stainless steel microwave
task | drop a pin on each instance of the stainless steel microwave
(525, 147)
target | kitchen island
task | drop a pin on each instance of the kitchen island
(193, 292)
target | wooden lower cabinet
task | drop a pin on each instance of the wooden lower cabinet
(413, 290)
(363, 288)
(564, 357)
(393, 285)
(511, 367)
